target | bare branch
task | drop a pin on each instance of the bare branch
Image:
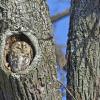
(65, 88)
(60, 15)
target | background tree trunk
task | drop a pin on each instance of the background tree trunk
(29, 21)
(83, 52)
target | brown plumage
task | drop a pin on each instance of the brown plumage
(20, 56)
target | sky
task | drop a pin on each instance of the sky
(60, 31)
(61, 27)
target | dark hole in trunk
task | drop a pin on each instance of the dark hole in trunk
(19, 38)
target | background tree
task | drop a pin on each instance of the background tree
(59, 11)
(27, 52)
(83, 50)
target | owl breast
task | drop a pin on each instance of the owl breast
(20, 56)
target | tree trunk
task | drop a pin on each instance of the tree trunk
(27, 52)
(83, 58)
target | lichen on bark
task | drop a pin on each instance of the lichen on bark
(31, 18)
(83, 50)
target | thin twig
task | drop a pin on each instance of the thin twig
(65, 88)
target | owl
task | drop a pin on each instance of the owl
(20, 56)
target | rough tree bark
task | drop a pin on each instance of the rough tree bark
(25, 29)
(83, 52)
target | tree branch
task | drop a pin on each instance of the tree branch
(68, 91)
(60, 15)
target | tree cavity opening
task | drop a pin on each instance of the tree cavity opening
(19, 52)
